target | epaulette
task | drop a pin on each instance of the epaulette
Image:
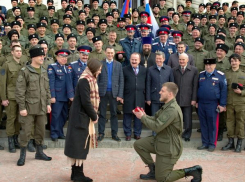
(149, 24)
(171, 43)
(138, 24)
(23, 68)
(74, 62)
(122, 39)
(202, 71)
(155, 43)
(54, 64)
(220, 72)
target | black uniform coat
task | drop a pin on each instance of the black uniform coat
(80, 114)
(187, 83)
(134, 88)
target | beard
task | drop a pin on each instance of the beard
(146, 51)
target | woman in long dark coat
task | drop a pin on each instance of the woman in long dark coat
(83, 115)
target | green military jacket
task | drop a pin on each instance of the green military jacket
(29, 20)
(121, 33)
(74, 56)
(163, 11)
(104, 36)
(111, 28)
(186, 36)
(8, 77)
(23, 6)
(52, 52)
(117, 47)
(168, 124)
(193, 11)
(47, 61)
(209, 42)
(141, 8)
(97, 55)
(235, 77)
(81, 38)
(60, 13)
(199, 56)
(223, 65)
(32, 90)
(41, 7)
(96, 11)
(178, 26)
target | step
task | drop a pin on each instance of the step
(109, 143)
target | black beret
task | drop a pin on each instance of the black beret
(212, 17)
(221, 37)
(97, 38)
(95, 0)
(80, 22)
(241, 6)
(222, 16)
(87, 6)
(212, 25)
(67, 25)
(171, 9)
(223, 47)
(225, 4)
(50, 1)
(209, 61)
(67, 16)
(109, 14)
(120, 19)
(43, 18)
(231, 18)
(91, 30)
(105, 2)
(30, 9)
(195, 28)
(240, 37)
(51, 7)
(175, 13)
(190, 23)
(90, 20)
(59, 35)
(82, 11)
(6, 24)
(12, 32)
(221, 30)
(33, 36)
(213, 7)
(31, 26)
(240, 44)
(95, 15)
(113, 2)
(15, 23)
(194, 16)
(54, 21)
(202, 4)
(68, 8)
(199, 39)
(116, 10)
(15, 8)
(72, 35)
(240, 13)
(41, 25)
(233, 25)
(234, 8)
(36, 51)
(127, 16)
(156, 5)
(19, 17)
(101, 21)
(204, 16)
(43, 42)
(242, 26)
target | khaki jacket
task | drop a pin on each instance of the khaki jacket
(32, 90)
(168, 124)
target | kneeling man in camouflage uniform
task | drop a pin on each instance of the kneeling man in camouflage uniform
(33, 96)
(167, 144)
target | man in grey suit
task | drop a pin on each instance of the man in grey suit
(111, 85)
(157, 75)
(186, 77)
(174, 58)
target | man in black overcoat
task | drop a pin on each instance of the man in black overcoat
(134, 95)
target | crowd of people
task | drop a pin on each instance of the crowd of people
(201, 51)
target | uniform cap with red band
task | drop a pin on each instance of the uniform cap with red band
(164, 18)
(84, 49)
(130, 27)
(63, 53)
(177, 34)
(144, 13)
(186, 13)
(144, 27)
(162, 31)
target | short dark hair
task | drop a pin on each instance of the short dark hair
(171, 87)
(94, 65)
(181, 43)
(109, 47)
(13, 48)
(236, 57)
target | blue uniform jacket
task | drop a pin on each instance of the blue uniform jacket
(158, 47)
(60, 82)
(129, 49)
(213, 88)
(77, 70)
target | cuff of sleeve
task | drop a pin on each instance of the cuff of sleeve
(22, 107)
(143, 118)
(243, 93)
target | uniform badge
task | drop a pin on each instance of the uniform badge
(214, 78)
(50, 71)
(213, 83)
(78, 69)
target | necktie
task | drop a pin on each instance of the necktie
(64, 68)
(135, 71)
(208, 74)
(163, 46)
(182, 70)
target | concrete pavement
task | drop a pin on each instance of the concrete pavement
(119, 165)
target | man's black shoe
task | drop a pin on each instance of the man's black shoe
(203, 147)
(62, 137)
(100, 138)
(195, 171)
(54, 139)
(211, 149)
(199, 130)
(116, 138)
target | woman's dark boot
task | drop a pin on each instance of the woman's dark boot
(78, 175)
(151, 174)
(230, 145)
(22, 159)
(195, 172)
(239, 145)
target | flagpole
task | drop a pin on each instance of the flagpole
(130, 10)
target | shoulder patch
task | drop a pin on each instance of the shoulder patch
(220, 72)
(155, 43)
(171, 43)
(54, 64)
(202, 71)
(122, 39)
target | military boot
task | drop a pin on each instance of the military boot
(21, 161)
(40, 155)
(11, 144)
(230, 145)
(30, 146)
(16, 142)
(151, 174)
(195, 172)
(220, 135)
(238, 145)
(78, 175)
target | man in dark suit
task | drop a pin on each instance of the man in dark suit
(174, 58)
(147, 57)
(134, 95)
(111, 85)
(156, 76)
(186, 78)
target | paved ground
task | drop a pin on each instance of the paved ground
(119, 165)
